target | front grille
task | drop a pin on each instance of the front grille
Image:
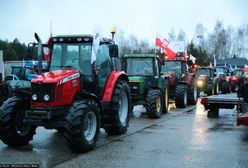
(41, 89)
(134, 86)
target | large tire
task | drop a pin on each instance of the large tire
(224, 87)
(229, 90)
(165, 94)
(210, 89)
(234, 86)
(13, 131)
(181, 96)
(154, 104)
(82, 125)
(193, 95)
(213, 112)
(120, 109)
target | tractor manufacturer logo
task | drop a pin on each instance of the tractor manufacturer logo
(71, 77)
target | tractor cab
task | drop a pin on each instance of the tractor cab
(206, 72)
(18, 73)
(74, 59)
(141, 70)
(141, 65)
(222, 71)
(148, 86)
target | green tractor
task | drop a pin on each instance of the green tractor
(148, 86)
(206, 81)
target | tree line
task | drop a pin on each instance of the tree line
(14, 50)
(222, 42)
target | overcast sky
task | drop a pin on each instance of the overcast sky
(142, 18)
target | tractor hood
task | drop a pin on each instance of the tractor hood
(169, 74)
(136, 79)
(58, 76)
(203, 76)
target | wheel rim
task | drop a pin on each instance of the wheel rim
(21, 128)
(166, 98)
(217, 88)
(158, 104)
(90, 126)
(123, 108)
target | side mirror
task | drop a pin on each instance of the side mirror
(31, 49)
(113, 51)
(46, 50)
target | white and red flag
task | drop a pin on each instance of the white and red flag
(164, 44)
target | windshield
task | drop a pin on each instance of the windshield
(204, 72)
(172, 66)
(221, 70)
(238, 73)
(76, 56)
(18, 71)
(138, 66)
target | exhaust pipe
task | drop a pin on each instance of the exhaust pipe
(40, 53)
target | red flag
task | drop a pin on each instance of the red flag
(158, 42)
(169, 53)
(164, 45)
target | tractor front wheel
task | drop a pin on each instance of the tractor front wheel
(82, 125)
(13, 131)
(154, 104)
(120, 109)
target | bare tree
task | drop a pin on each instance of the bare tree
(181, 36)
(172, 35)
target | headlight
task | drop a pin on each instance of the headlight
(199, 83)
(46, 97)
(34, 97)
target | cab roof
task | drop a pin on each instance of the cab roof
(83, 38)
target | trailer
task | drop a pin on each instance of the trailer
(222, 101)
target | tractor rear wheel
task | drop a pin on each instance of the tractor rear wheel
(224, 87)
(181, 96)
(193, 93)
(210, 89)
(82, 125)
(120, 109)
(13, 131)
(154, 105)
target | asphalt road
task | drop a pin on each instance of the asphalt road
(181, 138)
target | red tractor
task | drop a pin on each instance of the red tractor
(183, 86)
(81, 92)
(235, 78)
(224, 75)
